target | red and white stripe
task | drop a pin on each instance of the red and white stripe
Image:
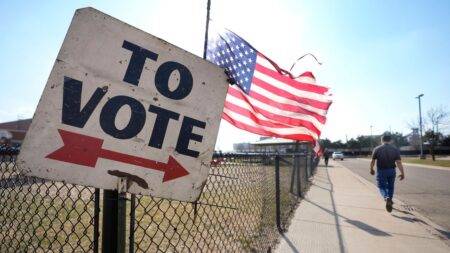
(278, 105)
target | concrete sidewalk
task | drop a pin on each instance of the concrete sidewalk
(343, 212)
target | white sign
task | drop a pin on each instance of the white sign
(121, 103)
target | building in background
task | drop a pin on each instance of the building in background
(271, 145)
(243, 147)
(12, 133)
(413, 138)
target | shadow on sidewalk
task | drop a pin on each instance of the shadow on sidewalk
(321, 181)
(291, 245)
(361, 225)
(323, 166)
(409, 219)
(444, 233)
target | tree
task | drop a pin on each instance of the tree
(414, 123)
(446, 141)
(325, 143)
(366, 141)
(433, 139)
(338, 144)
(437, 116)
(399, 140)
(353, 144)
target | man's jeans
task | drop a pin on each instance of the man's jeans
(386, 180)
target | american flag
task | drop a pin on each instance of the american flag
(267, 100)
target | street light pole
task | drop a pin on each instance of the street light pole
(371, 137)
(420, 126)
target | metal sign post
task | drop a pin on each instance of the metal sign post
(121, 214)
(114, 218)
(110, 221)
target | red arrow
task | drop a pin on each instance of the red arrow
(85, 150)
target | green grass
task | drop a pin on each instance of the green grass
(428, 161)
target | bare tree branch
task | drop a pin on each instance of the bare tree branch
(414, 123)
(437, 115)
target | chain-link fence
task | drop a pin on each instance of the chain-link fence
(247, 200)
(42, 216)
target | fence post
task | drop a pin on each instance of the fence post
(277, 192)
(299, 177)
(121, 222)
(132, 222)
(296, 170)
(114, 217)
(308, 165)
(305, 168)
(293, 176)
(121, 214)
(109, 227)
(96, 218)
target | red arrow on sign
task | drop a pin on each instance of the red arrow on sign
(85, 150)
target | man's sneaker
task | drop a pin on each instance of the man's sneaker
(389, 204)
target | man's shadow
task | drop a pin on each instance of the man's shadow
(444, 233)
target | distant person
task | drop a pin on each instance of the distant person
(326, 157)
(388, 158)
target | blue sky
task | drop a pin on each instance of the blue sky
(377, 55)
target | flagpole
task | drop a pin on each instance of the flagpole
(205, 45)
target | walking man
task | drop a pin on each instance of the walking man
(326, 157)
(388, 158)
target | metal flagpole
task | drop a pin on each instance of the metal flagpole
(371, 138)
(205, 45)
(205, 48)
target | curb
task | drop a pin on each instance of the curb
(427, 166)
(417, 165)
(429, 225)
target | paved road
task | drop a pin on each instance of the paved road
(426, 190)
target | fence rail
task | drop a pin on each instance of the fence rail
(247, 200)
